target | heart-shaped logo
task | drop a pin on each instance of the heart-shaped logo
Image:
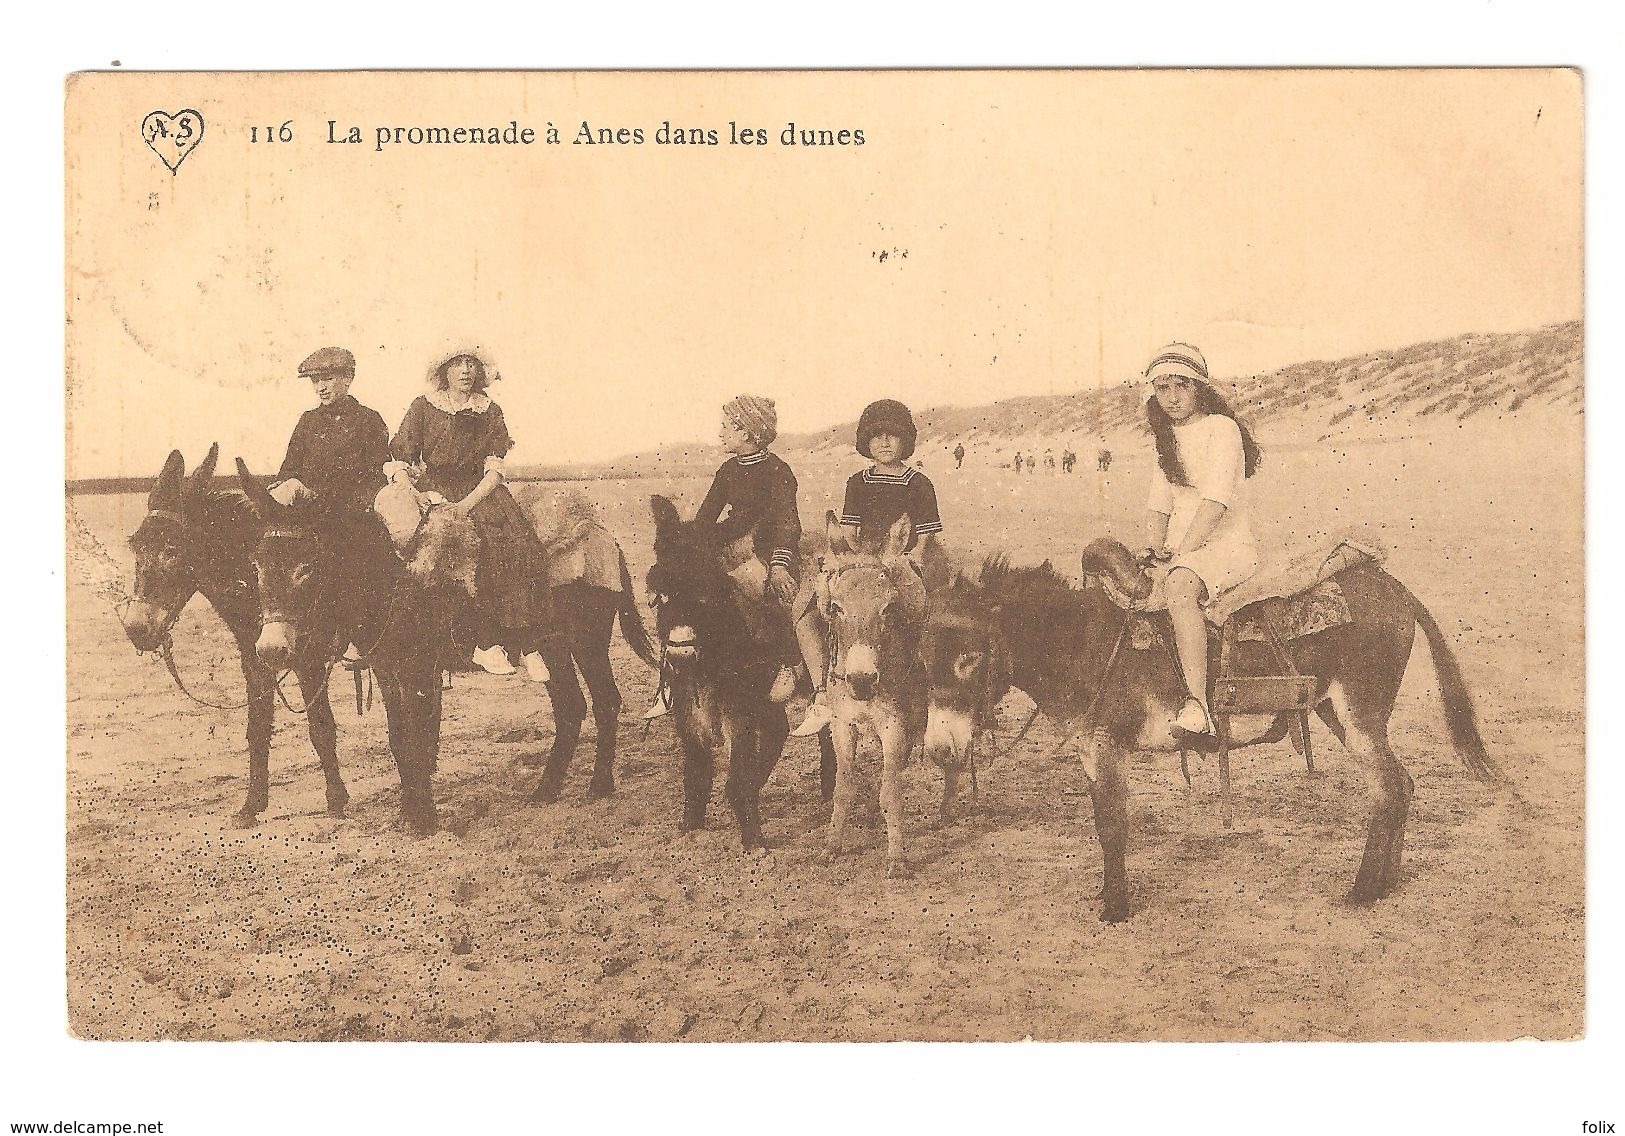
(172, 136)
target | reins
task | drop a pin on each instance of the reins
(1088, 713)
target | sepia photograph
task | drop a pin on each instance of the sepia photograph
(713, 559)
(814, 557)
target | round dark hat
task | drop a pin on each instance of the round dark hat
(888, 416)
(326, 360)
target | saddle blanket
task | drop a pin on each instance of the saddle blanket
(1320, 608)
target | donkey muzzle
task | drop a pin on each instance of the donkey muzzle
(682, 645)
(275, 644)
(144, 625)
(862, 672)
(948, 734)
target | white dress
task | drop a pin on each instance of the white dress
(1210, 448)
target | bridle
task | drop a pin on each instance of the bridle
(832, 640)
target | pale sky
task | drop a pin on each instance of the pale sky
(1058, 227)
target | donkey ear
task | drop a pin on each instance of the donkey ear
(166, 493)
(258, 496)
(203, 475)
(665, 513)
(835, 534)
(897, 537)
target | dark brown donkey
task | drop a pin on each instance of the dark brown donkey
(195, 539)
(1061, 643)
(719, 664)
(328, 576)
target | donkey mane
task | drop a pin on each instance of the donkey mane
(1029, 585)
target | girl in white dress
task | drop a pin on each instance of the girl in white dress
(1197, 520)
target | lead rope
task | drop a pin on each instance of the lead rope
(327, 675)
(166, 652)
(662, 686)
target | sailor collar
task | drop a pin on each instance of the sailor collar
(872, 476)
(751, 459)
(479, 403)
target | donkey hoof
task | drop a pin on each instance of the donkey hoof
(337, 803)
(898, 870)
(1363, 894)
(1115, 909)
(245, 817)
(420, 823)
(597, 790)
(547, 792)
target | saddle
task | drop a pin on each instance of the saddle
(438, 545)
(1292, 596)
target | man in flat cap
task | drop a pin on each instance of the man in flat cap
(338, 449)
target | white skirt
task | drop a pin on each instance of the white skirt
(1223, 562)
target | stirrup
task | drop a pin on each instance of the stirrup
(660, 707)
(1200, 722)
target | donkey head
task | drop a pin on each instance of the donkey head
(166, 547)
(691, 592)
(968, 667)
(289, 562)
(866, 606)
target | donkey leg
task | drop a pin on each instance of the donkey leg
(397, 709)
(950, 790)
(742, 786)
(603, 767)
(1108, 788)
(826, 765)
(261, 713)
(426, 735)
(894, 753)
(569, 711)
(591, 651)
(324, 735)
(698, 739)
(845, 737)
(416, 730)
(1390, 790)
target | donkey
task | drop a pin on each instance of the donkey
(592, 591)
(1061, 644)
(194, 539)
(328, 576)
(719, 663)
(876, 609)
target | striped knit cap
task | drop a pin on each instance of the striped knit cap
(1178, 359)
(755, 416)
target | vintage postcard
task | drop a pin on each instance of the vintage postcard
(852, 556)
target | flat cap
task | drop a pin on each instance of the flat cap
(328, 359)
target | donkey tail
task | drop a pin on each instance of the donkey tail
(1458, 704)
(632, 628)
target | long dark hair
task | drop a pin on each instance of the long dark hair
(1208, 401)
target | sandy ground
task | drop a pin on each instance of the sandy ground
(598, 921)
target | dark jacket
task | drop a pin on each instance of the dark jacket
(338, 453)
(759, 492)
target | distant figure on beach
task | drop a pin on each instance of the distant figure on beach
(1032, 463)
(1018, 461)
(1068, 460)
(959, 454)
(1049, 461)
(1103, 461)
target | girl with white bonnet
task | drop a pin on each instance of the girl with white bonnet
(1196, 523)
(453, 441)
